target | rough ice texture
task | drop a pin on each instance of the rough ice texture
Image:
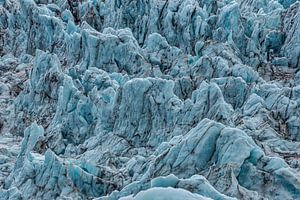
(150, 99)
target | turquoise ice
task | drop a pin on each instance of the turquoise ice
(137, 100)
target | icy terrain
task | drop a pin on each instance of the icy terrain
(149, 99)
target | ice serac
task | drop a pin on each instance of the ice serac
(127, 99)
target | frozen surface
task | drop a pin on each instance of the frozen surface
(165, 194)
(149, 99)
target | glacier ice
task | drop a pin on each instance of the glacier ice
(139, 99)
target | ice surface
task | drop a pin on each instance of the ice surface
(127, 99)
(165, 194)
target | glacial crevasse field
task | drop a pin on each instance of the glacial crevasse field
(149, 99)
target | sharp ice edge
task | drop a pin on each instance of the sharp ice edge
(138, 99)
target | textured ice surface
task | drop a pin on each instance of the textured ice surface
(149, 99)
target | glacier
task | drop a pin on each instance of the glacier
(149, 99)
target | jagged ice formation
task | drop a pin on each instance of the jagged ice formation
(149, 99)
